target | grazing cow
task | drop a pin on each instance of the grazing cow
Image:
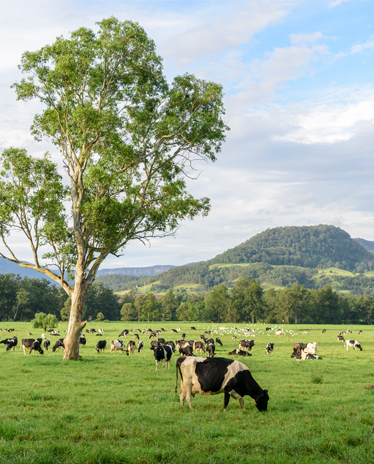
(163, 353)
(342, 332)
(209, 332)
(179, 329)
(32, 345)
(209, 376)
(82, 341)
(183, 336)
(218, 341)
(154, 344)
(186, 350)
(130, 347)
(101, 344)
(99, 335)
(117, 345)
(269, 348)
(172, 344)
(193, 328)
(279, 332)
(353, 343)
(202, 337)
(310, 356)
(10, 343)
(311, 348)
(246, 344)
(267, 329)
(101, 331)
(210, 349)
(199, 346)
(239, 353)
(233, 337)
(341, 338)
(59, 344)
(161, 341)
(173, 330)
(124, 333)
(153, 335)
(360, 332)
(298, 349)
(349, 331)
(140, 346)
(136, 336)
(46, 343)
(324, 331)
(181, 343)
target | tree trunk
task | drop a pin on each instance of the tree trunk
(76, 324)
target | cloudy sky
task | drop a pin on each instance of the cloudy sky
(299, 97)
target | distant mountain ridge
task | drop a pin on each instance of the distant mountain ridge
(367, 244)
(136, 271)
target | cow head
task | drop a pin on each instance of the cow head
(262, 401)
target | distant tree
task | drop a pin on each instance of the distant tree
(150, 308)
(254, 306)
(127, 311)
(100, 317)
(44, 321)
(22, 299)
(216, 303)
(65, 310)
(168, 305)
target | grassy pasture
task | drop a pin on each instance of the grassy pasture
(116, 409)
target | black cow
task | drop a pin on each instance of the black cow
(246, 344)
(211, 349)
(136, 336)
(209, 340)
(140, 346)
(269, 348)
(101, 344)
(163, 353)
(267, 329)
(218, 341)
(239, 353)
(183, 336)
(59, 344)
(161, 341)
(218, 375)
(193, 328)
(185, 350)
(82, 341)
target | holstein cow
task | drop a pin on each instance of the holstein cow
(140, 346)
(123, 333)
(193, 328)
(163, 353)
(199, 346)
(341, 338)
(32, 345)
(101, 344)
(279, 332)
(269, 348)
(130, 347)
(239, 353)
(117, 345)
(10, 343)
(246, 344)
(209, 376)
(218, 341)
(59, 344)
(101, 331)
(353, 343)
(211, 349)
(186, 350)
(172, 344)
(154, 344)
(46, 342)
(311, 356)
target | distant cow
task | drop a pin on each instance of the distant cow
(154, 344)
(174, 331)
(130, 347)
(117, 345)
(218, 341)
(163, 353)
(269, 348)
(239, 353)
(136, 336)
(279, 332)
(172, 344)
(246, 344)
(199, 346)
(354, 344)
(161, 341)
(311, 356)
(193, 328)
(32, 345)
(101, 331)
(210, 376)
(360, 332)
(341, 338)
(211, 349)
(324, 331)
(10, 343)
(185, 350)
(82, 341)
(59, 344)
(140, 346)
(267, 329)
(123, 333)
(101, 345)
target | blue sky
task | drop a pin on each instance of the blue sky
(299, 94)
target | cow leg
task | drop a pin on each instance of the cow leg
(156, 365)
(226, 400)
(241, 401)
(188, 396)
(163, 363)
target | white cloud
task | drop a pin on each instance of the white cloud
(305, 38)
(335, 3)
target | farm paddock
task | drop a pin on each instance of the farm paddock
(112, 408)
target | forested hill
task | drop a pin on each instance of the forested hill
(307, 246)
(136, 271)
(367, 244)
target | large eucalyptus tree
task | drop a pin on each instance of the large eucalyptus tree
(127, 139)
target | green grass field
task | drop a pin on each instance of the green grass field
(111, 408)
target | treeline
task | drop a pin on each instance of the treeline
(22, 298)
(247, 302)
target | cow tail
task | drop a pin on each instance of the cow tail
(176, 377)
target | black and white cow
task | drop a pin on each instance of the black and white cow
(341, 338)
(32, 345)
(164, 354)
(136, 336)
(209, 376)
(130, 347)
(174, 331)
(267, 329)
(124, 333)
(10, 343)
(181, 343)
(353, 343)
(161, 341)
(82, 340)
(199, 346)
(210, 349)
(117, 345)
(59, 344)
(101, 344)
(172, 344)
(311, 356)
(185, 350)
(218, 341)
(269, 348)
(239, 353)
(193, 328)
(247, 344)
(140, 346)
(154, 344)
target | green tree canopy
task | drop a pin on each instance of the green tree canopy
(44, 321)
